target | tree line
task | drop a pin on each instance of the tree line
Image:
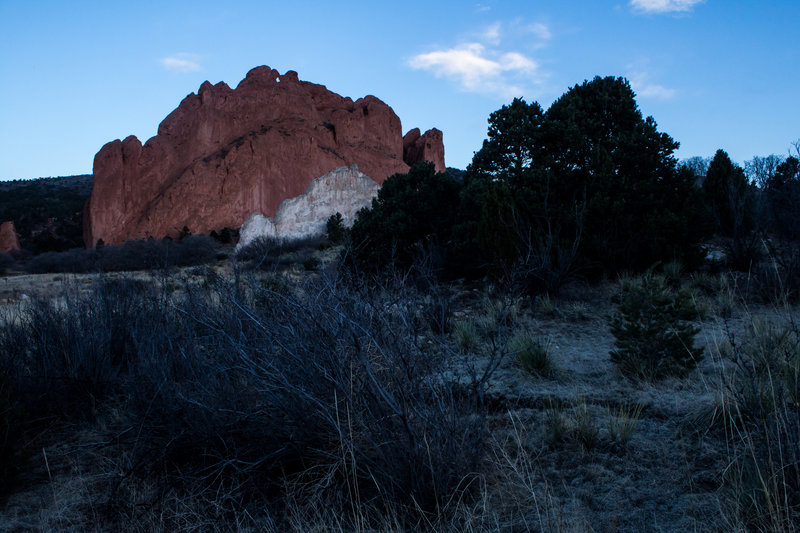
(587, 188)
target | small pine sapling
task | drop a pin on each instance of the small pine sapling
(653, 330)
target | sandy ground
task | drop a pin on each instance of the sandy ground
(668, 477)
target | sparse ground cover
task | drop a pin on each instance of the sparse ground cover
(293, 399)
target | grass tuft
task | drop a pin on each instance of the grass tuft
(532, 354)
(622, 422)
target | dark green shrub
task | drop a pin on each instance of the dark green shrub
(595, 187)
(226, 235)
(728, 194)
(257, 250)
(413, 214)
(608, 160)
(497, 230)
(134, 254)
(6, 260)
(195, 250)
(76, 260)
(782, 196)
(731, 200)
(268, 253)
(311, 263)
(335, 228)
(654, 335)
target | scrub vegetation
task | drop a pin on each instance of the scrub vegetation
(578, 333)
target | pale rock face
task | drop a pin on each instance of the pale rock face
(344, 190)
(256, 226)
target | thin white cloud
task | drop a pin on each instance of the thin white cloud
(181, 63)
(478, 69)
(664, 6)
(480, 8)
(492, 34)
(541, 31)
(655, 91)
(517, 61)
(644, 88)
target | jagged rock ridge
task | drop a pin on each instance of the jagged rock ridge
(344, 190)
(226, 153)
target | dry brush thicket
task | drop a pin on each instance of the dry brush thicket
(315, 401)
(241, 392)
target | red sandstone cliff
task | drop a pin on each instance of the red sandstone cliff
(226, 153)
(8, 237)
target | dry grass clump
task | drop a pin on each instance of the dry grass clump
(764, 419)
(585, 430)
(672, 272)
(547, 306)
(707, 283)
(466, 334)
(622, 422)
(726, 301)
(532, 354)
(577, 310)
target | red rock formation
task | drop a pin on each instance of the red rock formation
(8, 237)
(426, 147)
(226, 153)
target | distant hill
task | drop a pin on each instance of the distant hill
(456, 173)
(47, 212)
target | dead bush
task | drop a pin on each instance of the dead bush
(248, 387)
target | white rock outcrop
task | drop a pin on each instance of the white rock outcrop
(343, 190)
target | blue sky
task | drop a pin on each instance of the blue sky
(714, 74)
